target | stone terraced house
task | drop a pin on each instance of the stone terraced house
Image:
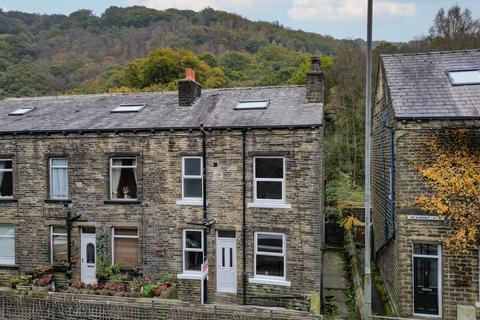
(417, 96)
(161, 181)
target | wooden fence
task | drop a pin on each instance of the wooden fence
(15, 307)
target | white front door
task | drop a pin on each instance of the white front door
(226, 265)
(88, 258)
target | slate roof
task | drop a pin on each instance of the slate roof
(214, 109)
(420, 87)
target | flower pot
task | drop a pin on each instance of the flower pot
(23, 287)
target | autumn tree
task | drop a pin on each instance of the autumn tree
(451, 166)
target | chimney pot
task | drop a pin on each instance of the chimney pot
(190, 74)
(316, 63)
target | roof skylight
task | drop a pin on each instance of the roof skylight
(252, 105)
(464, 77)
(129, 108)
(21, 111)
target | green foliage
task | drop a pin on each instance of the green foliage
(21, 279)
(147, 290)
(167, 277)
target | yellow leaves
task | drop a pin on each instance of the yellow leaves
(348, 223)
(452, 169)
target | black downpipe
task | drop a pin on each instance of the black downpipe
(244, 217)
(205, 217)
(392, 176)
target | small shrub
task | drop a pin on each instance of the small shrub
(148, 290)
(167, 278)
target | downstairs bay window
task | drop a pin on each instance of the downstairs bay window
(59, 247)
(7, 244)
(125, 251)
(192, 251)
(269, 259)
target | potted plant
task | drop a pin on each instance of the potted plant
(23, 282)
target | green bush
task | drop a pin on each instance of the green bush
(147, 291)
(167, 277)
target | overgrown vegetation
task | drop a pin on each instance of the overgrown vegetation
(450, 165)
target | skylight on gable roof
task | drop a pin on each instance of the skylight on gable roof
(252, 104)
(21, 111)
(137, 107)
(464, 77)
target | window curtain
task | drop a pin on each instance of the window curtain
(115, 182)
(2, 166)
(60, 180)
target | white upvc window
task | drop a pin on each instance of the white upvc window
(58, 245)
(59, 178)
(192, 251)
(125, 247)
(123, 178)
(270, 259)
(192, 179)
(7, 244)
(6, 178)
(269, 180)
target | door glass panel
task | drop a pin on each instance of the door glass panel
(226, 234)
(90, 253)
(231, 258)
(223, 257)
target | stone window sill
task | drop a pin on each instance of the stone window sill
(272, 205)
(189, 202)
(189, 276)
(8, 200)
(273, 282)
(122, 202)
(58, 201)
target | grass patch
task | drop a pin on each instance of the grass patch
(378, 283)
(350, 290)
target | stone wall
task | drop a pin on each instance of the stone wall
(158, 217)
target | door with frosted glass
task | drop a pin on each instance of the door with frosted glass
(226, 265)
(89, 257)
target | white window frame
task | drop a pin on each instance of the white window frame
(123, 237)
(273, 280)
(51, 240)
(8, 261)
(185, 249)
(439, 278)
(8, 170)
(191, 200)
(255, 180)
(121, 167)
(52, 167)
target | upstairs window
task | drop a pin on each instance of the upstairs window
(269, 179)
(21, 111)
(125, 247)
(58, 245)
(252, 104)
(464, 77)
(192, 178)
(7, 244)
(192, 251)
(59, 178)
(269, 255)
(123, 178)
(6, 179)
(129, 108)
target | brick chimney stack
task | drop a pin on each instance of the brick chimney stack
(189, 90)
(315, 82)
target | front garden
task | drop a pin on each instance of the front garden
(113, 280)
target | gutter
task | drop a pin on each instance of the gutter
(159, 129)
